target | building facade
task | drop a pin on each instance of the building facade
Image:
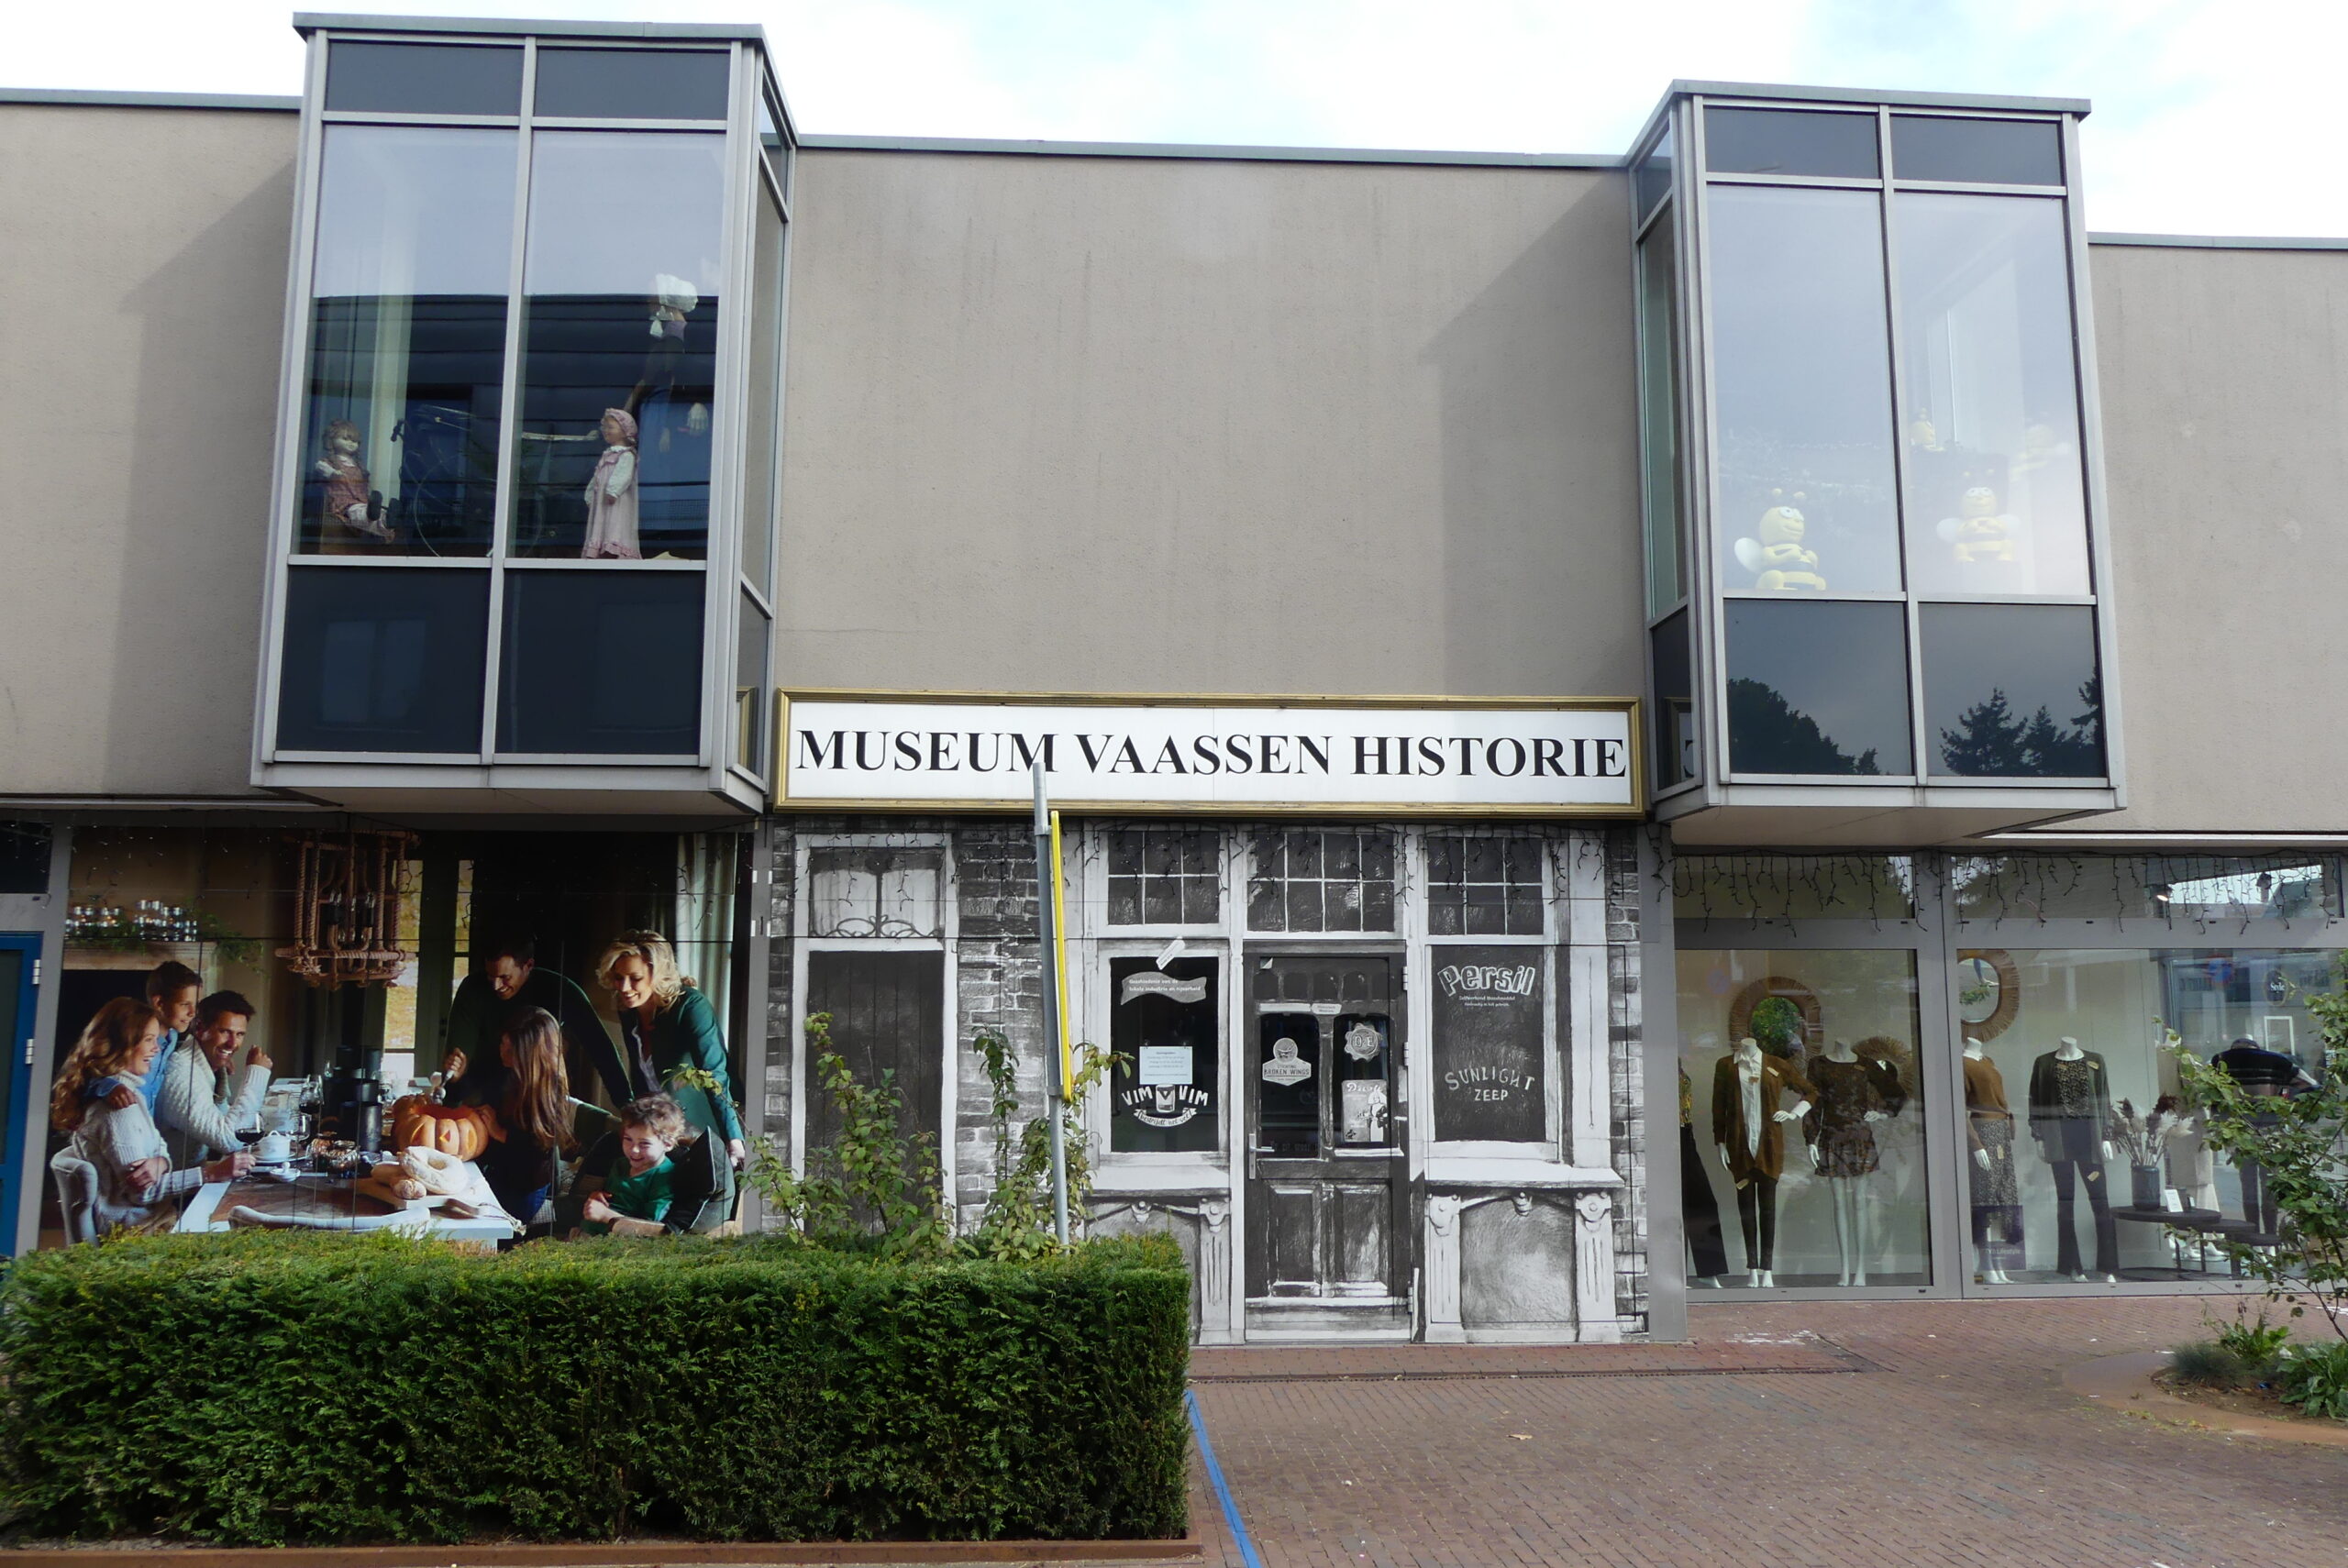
(1624, 725)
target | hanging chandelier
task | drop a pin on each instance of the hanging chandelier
(347, 908)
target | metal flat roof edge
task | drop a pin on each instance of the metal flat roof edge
(1870, 95)
(1208, 152)
(148, 100)
(2218, 241)
(308, 22)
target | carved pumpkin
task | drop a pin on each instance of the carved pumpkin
(463, 1131)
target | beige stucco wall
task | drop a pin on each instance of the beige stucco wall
(142, 286)
(2225, 379)
(1150, 425)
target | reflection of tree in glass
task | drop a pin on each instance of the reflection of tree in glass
(1777, 1027)
(1992, 740)
(1775, 737)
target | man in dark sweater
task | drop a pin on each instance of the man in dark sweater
(515, 981)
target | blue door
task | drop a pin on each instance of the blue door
(20, 967)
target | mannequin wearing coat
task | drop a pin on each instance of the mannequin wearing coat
(1754, 1096)
(2070, 1117)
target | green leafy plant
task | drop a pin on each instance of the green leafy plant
(1776, 1026)
(1017, 1222)
(2208, 1364)
(2258, 1344)
(871, 1186)
(2297, 1142)
(267, 1387)
(2313, 1379)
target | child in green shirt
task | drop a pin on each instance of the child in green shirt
(636, 1195)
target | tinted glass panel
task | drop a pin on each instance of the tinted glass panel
(632, 84)
(601, 662)
(1654, 176)
(1803, 378)
(2011, 690)
(1995, 500)
(765, 402)
(753, 638)
(1793, 887)
(1675, 703)
(424, 79)
(625, 233)
(382, 659)
(1982, 152)
(1659, 417)
(1817, 688)
(1789, 141)
(778, 156)
(24, 857)
(407, 340)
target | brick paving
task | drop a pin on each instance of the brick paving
(1943, 1436)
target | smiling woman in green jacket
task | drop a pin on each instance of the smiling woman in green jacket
(665, 1025)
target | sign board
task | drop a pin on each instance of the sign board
(910, 751)
(1489, 1044)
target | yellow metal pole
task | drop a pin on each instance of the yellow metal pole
(1060, 955)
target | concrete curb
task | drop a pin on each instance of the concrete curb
(628, 1554)
(2125, 1383)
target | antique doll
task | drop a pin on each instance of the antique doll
(611, 494)
(348, 509)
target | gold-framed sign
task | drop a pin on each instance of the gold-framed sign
(1392, 756)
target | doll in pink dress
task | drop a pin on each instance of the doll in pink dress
(611, 494)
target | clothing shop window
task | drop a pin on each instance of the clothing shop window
(1165, 1026)
(1164, 877)
(883, 892)
(407, 340)
(1802, 1119)
(1793, 887)
(1310, 879)
(2111, 1177)
(619, 348)
(2198, 888)
(1485, 887)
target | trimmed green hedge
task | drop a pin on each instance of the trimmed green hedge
(266, 1388)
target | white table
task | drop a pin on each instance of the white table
(204, 1213)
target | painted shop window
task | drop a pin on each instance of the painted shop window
(1164, 1027)
(1996, 498)
(1807, 503)
(1165, 876)
(619, 347)
(1485, 887)
(888, 1016)
(407, 340)
(1310, 879)
(885, 892)
(1491, 1059)
(2095, 1172)
(1802, 1124)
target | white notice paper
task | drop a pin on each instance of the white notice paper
(1165, 1064)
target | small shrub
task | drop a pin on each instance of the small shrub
(2206, 1364)
(2313, 1379)
(2258, 1345)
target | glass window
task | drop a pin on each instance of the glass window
(1818, 687)
(1485, 887)
(1164, 1025)
(1803, 391)
(24, 857)
(407, 340)
(632, 83)
(1491, 1056)
(1652, 177)
(1834, 1194)
(754, 640)
(424, 79)
(382, 659)
(875, 891)
(1676, 756)
(619, 350)
(763, 413)
(2070, 1077)
(1165, 876)
(2207, 887)
(770, 143)
(1314, 880)
(2011, 690)
(1979, 152)
(1996, 495)
(600, 663)
(1790, 141)
(1793, 887)
(1659, 419)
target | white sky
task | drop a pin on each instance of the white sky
(2211, 115)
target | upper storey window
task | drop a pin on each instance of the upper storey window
(424, 79)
